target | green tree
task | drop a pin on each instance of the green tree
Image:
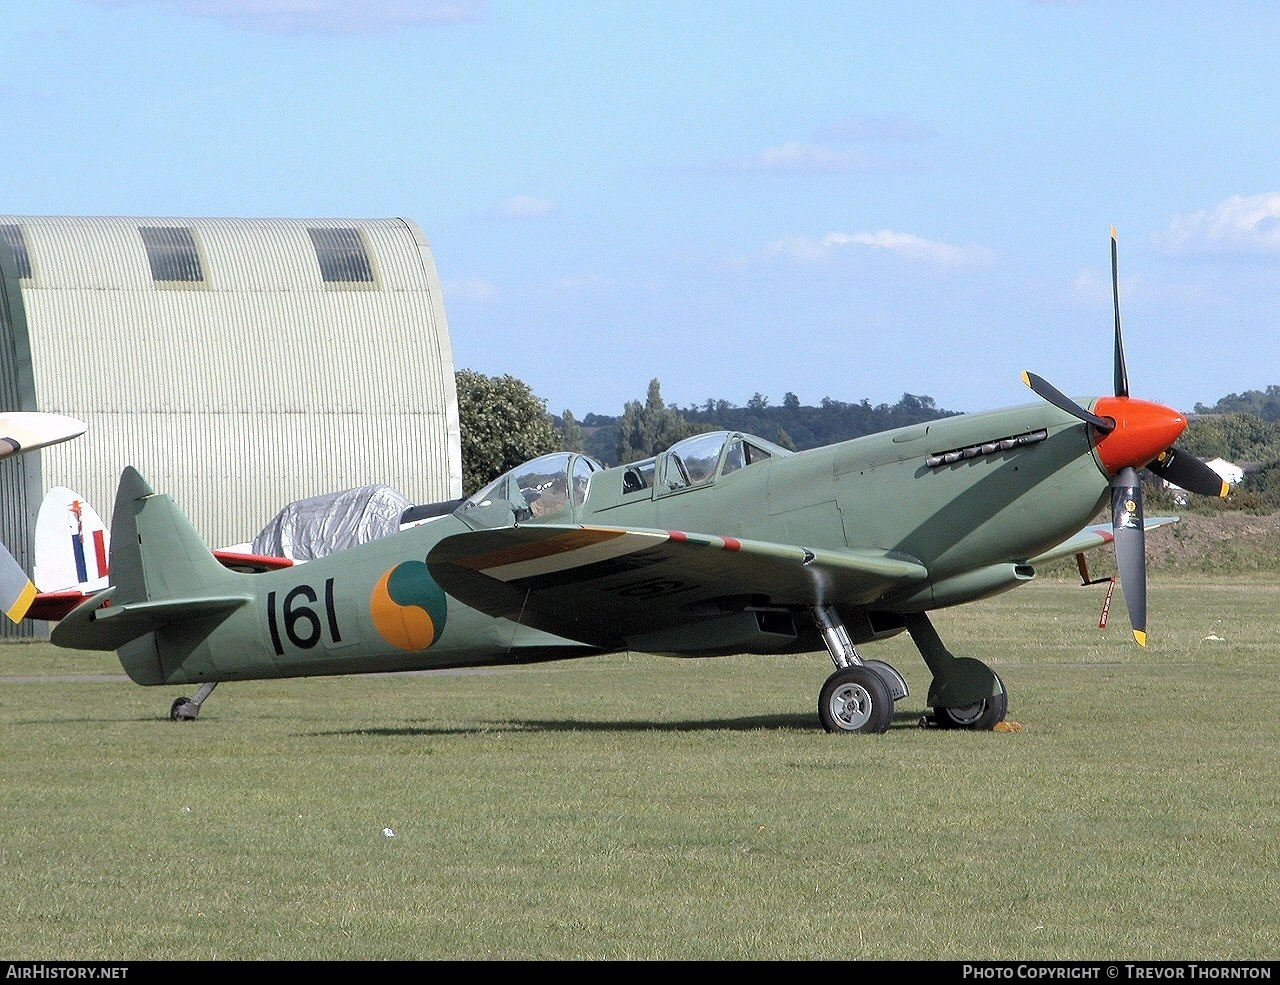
(502, 424)
(1238, 437)
(651, 427)
(1263, 403)
(570, 432)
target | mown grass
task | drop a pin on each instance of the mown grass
(637, 807)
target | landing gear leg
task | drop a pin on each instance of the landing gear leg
(187, 709)
(859, 696)
(965, 693)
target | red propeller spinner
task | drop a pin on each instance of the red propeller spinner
(1143, 431)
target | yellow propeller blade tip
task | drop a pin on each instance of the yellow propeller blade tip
(1113, 232)
(1140, 636)
(1025, 378)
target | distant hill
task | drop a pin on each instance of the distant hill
(1264, 404)
(790, 424)
(1243, 428)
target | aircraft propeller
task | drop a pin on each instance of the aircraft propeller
(1133, 434)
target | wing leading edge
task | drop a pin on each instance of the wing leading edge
(1093, 536)
(603, 585)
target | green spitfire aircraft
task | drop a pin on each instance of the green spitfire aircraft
(723, 544)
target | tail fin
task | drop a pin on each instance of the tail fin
(162, 572)
(156, 554)
(71, 544)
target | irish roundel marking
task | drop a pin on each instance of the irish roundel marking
(408, 607)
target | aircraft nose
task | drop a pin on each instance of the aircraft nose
(1143, 430)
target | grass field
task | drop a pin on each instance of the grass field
(637, 807)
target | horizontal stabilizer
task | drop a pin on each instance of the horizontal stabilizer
(249, 564)
(98, 625)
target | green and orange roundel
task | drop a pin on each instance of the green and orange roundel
(408, 607)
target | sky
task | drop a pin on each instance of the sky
(847, 200)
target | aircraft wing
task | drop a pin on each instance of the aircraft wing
(601, 585)
(1095, 535)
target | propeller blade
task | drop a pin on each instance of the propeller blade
(1047, 391)
(16, 590)
(1128, 526)
(1188, 472)
(1122, 375)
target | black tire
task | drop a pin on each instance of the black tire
(979, 717)
(176, 710)
(855, 699)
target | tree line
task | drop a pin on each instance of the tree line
(504, 423)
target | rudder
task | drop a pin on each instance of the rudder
(156, 553)
(163, 574)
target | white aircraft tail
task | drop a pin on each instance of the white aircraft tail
(72, 544)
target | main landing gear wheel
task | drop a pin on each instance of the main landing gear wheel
(981, 716)
(855, 699)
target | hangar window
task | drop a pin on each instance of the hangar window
(18, 247)
(341, 254)
(171, 251)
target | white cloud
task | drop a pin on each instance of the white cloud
(584, 286)
(323, 16)
(1238, 225)
(524, 207)
(795, 156)
(1091, 290)
(806, 249)
(474, 289)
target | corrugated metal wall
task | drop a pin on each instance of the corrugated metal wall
(258, 385)
(20, 487)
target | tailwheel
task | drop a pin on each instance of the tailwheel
(981, 716)
(188, 709)
(855, 699)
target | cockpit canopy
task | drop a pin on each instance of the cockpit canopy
(551, 486)
(555, 487)
(696, 461)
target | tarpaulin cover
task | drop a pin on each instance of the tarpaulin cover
(313, 528)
